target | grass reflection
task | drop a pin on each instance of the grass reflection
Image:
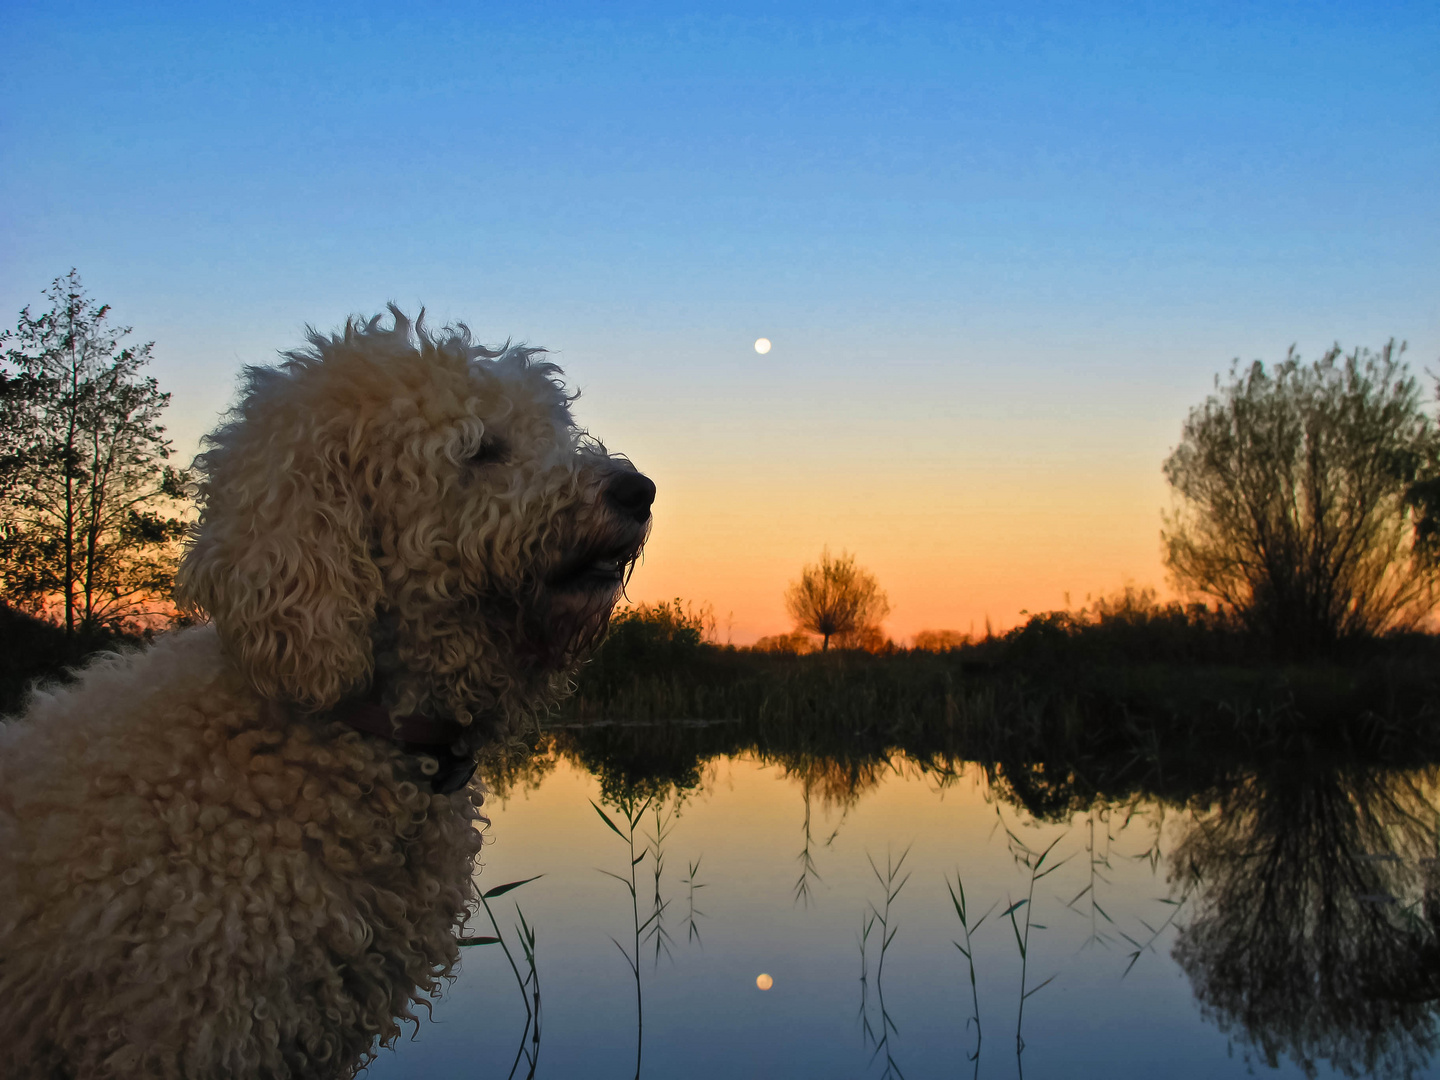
(657, 933)
(1098, 865)
(693, 914)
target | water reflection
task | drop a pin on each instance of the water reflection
(1316, 910)
(1305, 909)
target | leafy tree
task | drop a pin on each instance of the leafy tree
(834, 597)
(89, 521)
(1296, 502)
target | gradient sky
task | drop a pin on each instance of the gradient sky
(999, 254)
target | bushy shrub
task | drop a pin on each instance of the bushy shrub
(870, 639)
(1133, 626)
(940, 640)
(648, 638)
(795, 643)
(669, 623)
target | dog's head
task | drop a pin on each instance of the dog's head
(409, 512)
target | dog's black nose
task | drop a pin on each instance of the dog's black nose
(631, 494)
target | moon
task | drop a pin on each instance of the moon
(762, 346)
(763, 981)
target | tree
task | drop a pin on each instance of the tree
(1296, 498)
(836, 597)
(89, 509)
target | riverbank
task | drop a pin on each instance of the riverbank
(1061, 711)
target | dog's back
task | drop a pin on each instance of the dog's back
(195, 886)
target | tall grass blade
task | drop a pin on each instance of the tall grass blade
(501, 890)
(606, 818)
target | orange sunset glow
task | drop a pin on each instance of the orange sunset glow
(952, 564)
(996, 495)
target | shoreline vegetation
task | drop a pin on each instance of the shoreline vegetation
(1124, 698)
(1128, 698)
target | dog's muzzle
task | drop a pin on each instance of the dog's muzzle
(600, 565)
(631, 494)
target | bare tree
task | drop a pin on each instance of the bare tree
(836, 597)
(89, 510)
(1294, 498)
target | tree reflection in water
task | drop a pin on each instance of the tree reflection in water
(1314, 934)
(1311, 923)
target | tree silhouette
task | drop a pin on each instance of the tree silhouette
(1294, 498)
(834, 597)
(89, 522)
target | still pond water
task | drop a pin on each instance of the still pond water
(1287, 929)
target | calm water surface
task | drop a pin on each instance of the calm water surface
(1286, 927)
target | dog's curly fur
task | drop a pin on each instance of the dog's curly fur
(205, 873)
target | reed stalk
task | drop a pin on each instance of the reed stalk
(529, 984)
(891, 884)
(1022, 938)
(633, 816)
(957, 898)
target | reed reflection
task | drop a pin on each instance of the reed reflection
(879, 914)
(1317, 907)
(1310, 927)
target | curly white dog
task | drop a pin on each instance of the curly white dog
(246, 851)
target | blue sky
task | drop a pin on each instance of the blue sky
(999, 252)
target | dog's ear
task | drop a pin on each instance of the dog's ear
(280, 560)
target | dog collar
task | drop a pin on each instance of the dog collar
(416, 735)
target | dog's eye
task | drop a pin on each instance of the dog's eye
(491, 452)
